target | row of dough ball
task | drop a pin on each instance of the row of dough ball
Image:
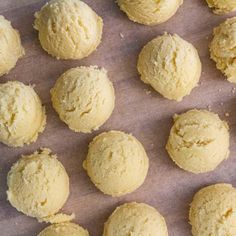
(38, 186)
(84, 99)
(68, 29)
(128, 219)
(116, 163)
(212, 212)
(168, 63)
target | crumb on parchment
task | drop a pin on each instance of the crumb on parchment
(121, 35)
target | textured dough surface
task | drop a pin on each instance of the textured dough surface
(10, 46)
(68, 29)
(222, 6)
(213, 211)
(64, 229)
(38, 186)
(198, 141)
(170, 65)
(149, 12)
(22, 116)
(223, 48)
(116, 163)
(84, 98)
(136, 219)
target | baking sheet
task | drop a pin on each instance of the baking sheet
(139, 110)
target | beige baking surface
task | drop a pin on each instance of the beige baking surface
(145, 114)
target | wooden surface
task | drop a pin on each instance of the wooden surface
(147, 116)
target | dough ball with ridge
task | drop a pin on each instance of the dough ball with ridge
(198, 141)
(10, 46)
(84, 98)
(68, 29)
(170, 65)
(136, 219)
(149, 12)
(223, 50)
(116, 163)
(213, 210)
(22, 116)
(38, 186)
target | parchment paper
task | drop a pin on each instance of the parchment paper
(139, 110)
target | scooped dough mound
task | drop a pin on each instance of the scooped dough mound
(136, 219)
(213, 210)
(38, 186)
(198, 141)
(149, 12)
(68, 29)
(116, 163)
(170, 65)
(223, 50)
(10, 46)
(22, 116)
(84, 98)
(64, 229)
(222, 6)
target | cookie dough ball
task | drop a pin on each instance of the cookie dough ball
(84, 98)
(213, 210)
(198, 141)
(222, 6)
(68, 29)
(223, 50)
(22, 116)
(170, 65)
(135, 219)
(149, 12)
(116, 163)
(10, 46)
(38, 186)
(64, 229)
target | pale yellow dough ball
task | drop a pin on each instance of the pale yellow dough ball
(64, 229)
(38, 186)
(136, 219)
(223, 50)
(222, 6)
(84, 98)
(22, 116)
(213, 211)
(198, 141)
(10, 46)
(149, 12)
(116, 163)
(170, 65)
(68, 29)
